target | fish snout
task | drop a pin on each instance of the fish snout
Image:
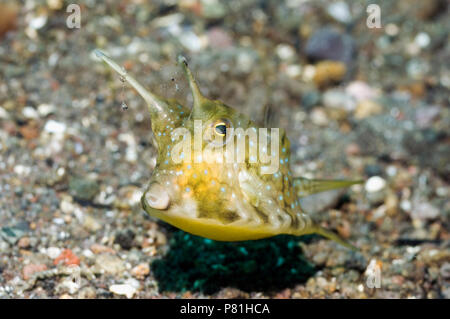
(157, 197)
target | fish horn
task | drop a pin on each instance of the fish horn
(305, 187)
(155, 104)
(198, 97)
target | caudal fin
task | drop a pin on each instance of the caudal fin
(305, 186)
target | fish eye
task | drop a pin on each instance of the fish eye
(220, 128)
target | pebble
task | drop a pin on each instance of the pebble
(90, 223)
(46, 109)
(4, 115)
(213, 9)
(330, 44)
(110, 264)
(375, 184)
(38, 22)
(125, 239)
(444, 271)
(424, 210)
(24, 242)
(99, 249)
(29, 270)
(52, 126)
(340, 11)
(376, 190)
(67, 257)
(360, 90)
(367, 108)
(87, 293)
(319, 117)
(422, 39)
(141, 270)
(218, 38)
(310, 99)
(123, 290)
(53, 252)
(30, 112)
(285, 51)
(328, 72)
(338, 99)
(83, 188)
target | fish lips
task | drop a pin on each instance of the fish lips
(157, 197)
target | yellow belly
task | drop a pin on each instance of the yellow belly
(212, 229)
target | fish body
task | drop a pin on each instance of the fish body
(199, 186)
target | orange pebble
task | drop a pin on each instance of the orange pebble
(67, 257)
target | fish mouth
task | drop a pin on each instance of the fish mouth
(157, 197)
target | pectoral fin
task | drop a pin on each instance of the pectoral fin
(305, 187)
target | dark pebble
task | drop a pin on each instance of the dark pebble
(125, 239)
(330, 44)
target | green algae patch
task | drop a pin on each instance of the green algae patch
(198, 264)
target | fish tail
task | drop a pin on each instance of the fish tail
(333, 236)
(305, 186)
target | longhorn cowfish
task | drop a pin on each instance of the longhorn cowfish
(201, 191)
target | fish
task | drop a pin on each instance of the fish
(204, 190)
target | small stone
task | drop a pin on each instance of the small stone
(328, 72)
(340, 11)
(55, 4)
(213, 9)
(218, 38)
(38, 22)
(4, 115)
(360, 90)
(90, 223)
(30, 113)
(67, 257)
(46, 109)
(87, 293)
(375, 184)
(367, 108)
(391, 204)
(8, 17)
(13, 234)
(338, 99)
(110, 264)
(29, 270)
(125, 239)
(319, 117)
(424, 211)
(391, 29)
(99, 249)
(373, 170)
(444, 271)
(285, 51)
(191, 41)
(141, 270)
(83, 188)
(55, 127)
(29, 131)
(330, 44)
(53, 252)
(24, 242)
(422, 39)
(123, 290)
(344, 229)
(352, 149)
(376, 190)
